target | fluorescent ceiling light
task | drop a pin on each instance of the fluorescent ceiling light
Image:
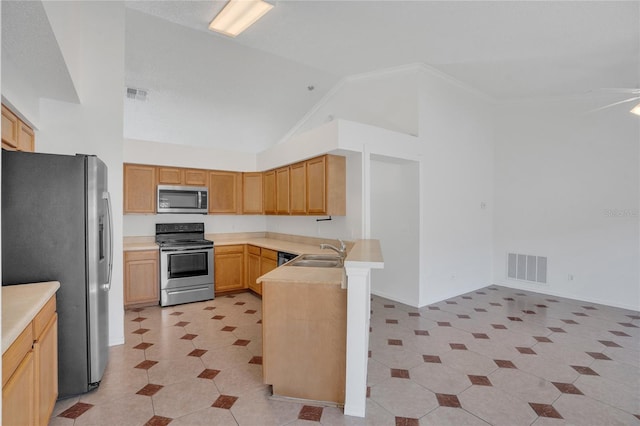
(238, 15)
(636, 110)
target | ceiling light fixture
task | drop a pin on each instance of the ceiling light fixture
(636, 110)
(238, 15)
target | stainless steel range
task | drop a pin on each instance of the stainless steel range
(186, 263)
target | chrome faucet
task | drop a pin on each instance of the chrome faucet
(342, 251)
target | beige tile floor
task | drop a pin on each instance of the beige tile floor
(495, 356)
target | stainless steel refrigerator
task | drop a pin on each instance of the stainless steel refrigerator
(57, 226)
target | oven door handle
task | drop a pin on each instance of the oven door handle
(190, 290)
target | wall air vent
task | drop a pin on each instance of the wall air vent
(136, 94)
(526, 267)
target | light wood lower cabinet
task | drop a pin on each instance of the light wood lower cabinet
(304, 329)
(30, 371)
(19, 394)
(253, 268)
(268, 260)
(229, 268)
(141, 281)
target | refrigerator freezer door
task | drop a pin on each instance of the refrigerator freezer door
(99, 261)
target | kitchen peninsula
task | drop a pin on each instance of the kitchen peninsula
(349, 288)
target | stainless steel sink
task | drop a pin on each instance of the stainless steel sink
(317, 261)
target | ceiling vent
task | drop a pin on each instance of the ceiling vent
(136, 94)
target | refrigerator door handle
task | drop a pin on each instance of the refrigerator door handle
(107, 198)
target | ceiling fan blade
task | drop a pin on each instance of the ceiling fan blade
(615, 103)
(620, 90)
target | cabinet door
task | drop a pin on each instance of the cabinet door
(229, 268)
(252, 193)
(298, 188)
(268, 261)
(139, 188)
(253, 269)
(10, 124)
(195, 177)
(46, 363)
(224, 192)
(282, 190)
(269, 185)
(170, 176)
(26, 138)
(316, 188)
(19, 394)
(141, 284)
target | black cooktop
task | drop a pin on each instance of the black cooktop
(181, 235)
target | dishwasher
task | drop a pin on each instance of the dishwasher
(284, 257)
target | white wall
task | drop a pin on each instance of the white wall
(456, 178)
(566, 187)
(387, 99)
(395, 219)
(95, 125)
(454, 158)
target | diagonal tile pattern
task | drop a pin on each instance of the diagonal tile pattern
(492, 356)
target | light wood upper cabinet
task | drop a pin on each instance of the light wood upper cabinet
(282, 190)
(326, 185)
(181, 176)
(312, 187)
(26, 138)
(225, 192)
(170, 176)
(195, 177)
(139, 188)
(252, 193)
(269, 185)
(298, 188)
(141, 282)
(229, 268)
(10, 124)
(16, 134)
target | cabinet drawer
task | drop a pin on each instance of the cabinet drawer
(254, 250)
(229, 249)
(270, 254)
(44, 316)
(16, 352)
(140, 255)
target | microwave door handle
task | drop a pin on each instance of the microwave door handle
(199, 199)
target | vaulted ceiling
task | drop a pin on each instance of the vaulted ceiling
(247, 93)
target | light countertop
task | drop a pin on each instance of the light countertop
(20, 305)
(361, 254)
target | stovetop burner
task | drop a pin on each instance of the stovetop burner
(181, 235)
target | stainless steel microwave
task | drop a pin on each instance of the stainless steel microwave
(183, 199)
